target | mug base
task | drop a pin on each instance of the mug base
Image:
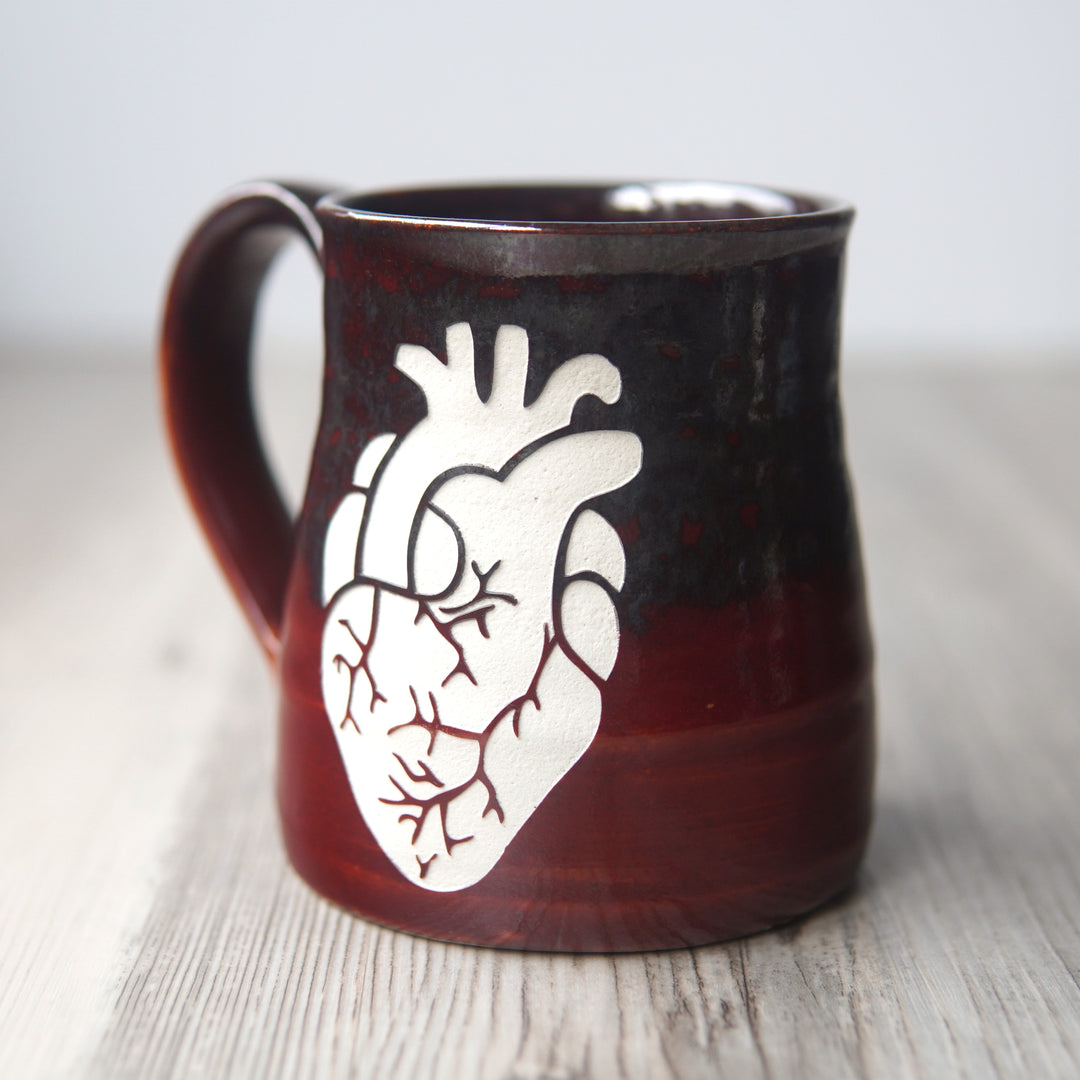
(612, 927)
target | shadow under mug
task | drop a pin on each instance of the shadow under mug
(570, 630)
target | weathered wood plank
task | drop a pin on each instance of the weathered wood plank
(150, 927)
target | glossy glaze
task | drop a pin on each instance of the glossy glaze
(728, 787)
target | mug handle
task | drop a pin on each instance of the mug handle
(205, 369)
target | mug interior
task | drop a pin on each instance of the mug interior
(631, 202)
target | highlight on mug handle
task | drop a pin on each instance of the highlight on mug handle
(206, 381)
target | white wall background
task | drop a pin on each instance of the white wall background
(952, 124)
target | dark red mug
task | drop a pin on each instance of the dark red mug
(571, 627)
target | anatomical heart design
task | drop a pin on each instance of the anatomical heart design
(470, 623)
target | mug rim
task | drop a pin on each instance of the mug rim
(776, 208)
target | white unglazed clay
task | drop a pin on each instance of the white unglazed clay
(465, 644)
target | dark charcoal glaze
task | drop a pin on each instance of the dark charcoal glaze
(729, 786)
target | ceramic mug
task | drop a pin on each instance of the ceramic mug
(570, 629)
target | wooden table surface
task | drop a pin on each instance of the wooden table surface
(150, 926)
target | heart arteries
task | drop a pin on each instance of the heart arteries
(470, 623)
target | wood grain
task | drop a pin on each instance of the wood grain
(150, 927)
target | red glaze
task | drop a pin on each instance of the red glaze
(729, 786)
(727, 791)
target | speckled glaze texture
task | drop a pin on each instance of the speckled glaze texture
(728, 787)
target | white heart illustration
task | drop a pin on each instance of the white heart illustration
(470, 619)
